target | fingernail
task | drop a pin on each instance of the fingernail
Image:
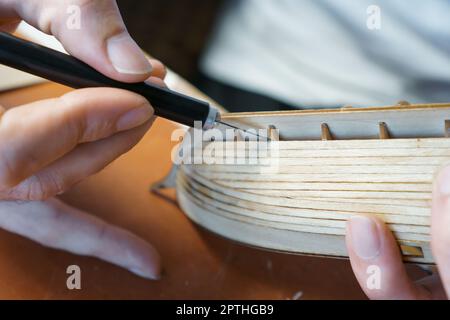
(134, 118)
(444, 182)
(365, 237)
(126, 56)
(145, 274)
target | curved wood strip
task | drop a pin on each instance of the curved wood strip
(402, 232)
(204, 212)
(316, 187)
(313, 204)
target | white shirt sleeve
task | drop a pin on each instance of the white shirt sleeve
(322, 53)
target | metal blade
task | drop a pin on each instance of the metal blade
(243, 130)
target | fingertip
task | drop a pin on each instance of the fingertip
(376, 260)
(127, 58)
(364, 236)
(129, 251)
(148, 264)
(146, 275)
(134, 118)
(159, 69)
(156, 81)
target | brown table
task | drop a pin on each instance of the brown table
(197, 264)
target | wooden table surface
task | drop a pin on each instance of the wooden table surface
(197, 264)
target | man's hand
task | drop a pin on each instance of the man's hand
(370, 243)
(48, 146)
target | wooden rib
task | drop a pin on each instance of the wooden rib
(384, 132)
(273, 134)
(447, 128)
(326, 133)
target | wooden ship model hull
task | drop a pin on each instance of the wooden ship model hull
(331, 165)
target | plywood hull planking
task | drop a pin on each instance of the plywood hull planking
(303, 205)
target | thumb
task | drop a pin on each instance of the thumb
(377, 263)
(92, 31)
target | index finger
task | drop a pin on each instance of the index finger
(92, 31)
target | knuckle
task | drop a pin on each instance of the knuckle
(46, 18)
(75, 121)
(109, 21)
(44, 14)
(80, 126)
(43, 186)
(98, 130)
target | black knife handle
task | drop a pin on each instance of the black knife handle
(67, 70)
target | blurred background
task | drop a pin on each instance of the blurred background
(252, 55)
(174, 31)
(178, 32)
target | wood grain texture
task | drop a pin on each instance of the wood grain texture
(412, 121)
(321, 180)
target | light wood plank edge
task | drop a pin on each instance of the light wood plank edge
(299, 113)
(297, 204)
(301, 243)
(408, 226)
